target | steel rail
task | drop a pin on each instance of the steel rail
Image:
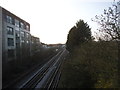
(50, 76)
(36, 77)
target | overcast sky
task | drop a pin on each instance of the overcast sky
(51, 20)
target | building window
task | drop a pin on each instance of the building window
(17, 29)
(10, 30)
(22, 37)
(22, 25)
(27, 42)
(27, 27)
(22, 41)
(27, 35)
(9, 19)
(17, 37)
(22, 34)
(10, 42)
(10, 53)
(17, 23)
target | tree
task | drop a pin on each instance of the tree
(110, 27)
(109, 22)
(77, 35)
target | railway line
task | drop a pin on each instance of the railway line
(47, 76)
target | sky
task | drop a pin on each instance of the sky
(51, 20)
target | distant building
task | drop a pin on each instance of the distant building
(15, 38)
(35, 45)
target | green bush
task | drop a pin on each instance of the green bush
(92, 64)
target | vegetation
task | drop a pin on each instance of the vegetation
(92, 65)
(77, 35)
(14, 70)
(109, 24)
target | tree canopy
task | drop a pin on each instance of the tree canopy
(78, 34)
(109, 22)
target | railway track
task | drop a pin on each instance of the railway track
(27, 73)
(47, 76)
(51, 78)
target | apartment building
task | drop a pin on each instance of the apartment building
(15, 37)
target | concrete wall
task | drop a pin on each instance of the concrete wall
(0, 48)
